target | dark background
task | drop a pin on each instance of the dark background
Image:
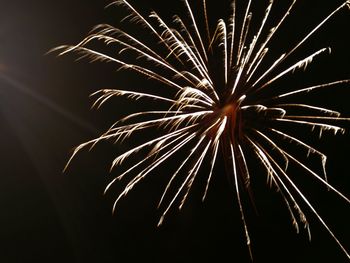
(48, 216)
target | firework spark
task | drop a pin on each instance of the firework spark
(216, 101)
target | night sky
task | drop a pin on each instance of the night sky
(50, 216)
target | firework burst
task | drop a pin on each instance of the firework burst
(217, 100)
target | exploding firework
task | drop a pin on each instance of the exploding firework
(216, 101)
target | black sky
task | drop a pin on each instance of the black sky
(48, 216)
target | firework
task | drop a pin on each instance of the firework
(217, 100)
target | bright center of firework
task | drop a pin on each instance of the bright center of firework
(226, 119)
(230, 110)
